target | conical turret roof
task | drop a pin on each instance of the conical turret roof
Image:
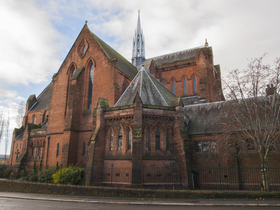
(150, 90)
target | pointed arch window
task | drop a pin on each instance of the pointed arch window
(34, 119)
(129, 140)
(194, 85)
(185, 85)
(173, 86)
(164, 84)
(147, 139)
(57, 150)
(124, 87)
(111, 141)
(120, 140)
(73, 71)
(90, 83)
(84, 149)
(167, 140)
(157, 138)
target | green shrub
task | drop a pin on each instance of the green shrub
(5, 173)
(70, 175)
(33, 178)
(45, 175)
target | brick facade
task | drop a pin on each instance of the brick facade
(74, 122)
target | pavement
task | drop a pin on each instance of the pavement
(258, 202)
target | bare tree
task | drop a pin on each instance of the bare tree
(20, 115)
(253, 109)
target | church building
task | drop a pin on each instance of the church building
(105, 113)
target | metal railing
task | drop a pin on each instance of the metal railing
(210, 178)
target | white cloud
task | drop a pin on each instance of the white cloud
(29, 43)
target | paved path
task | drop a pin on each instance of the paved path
(259, 202)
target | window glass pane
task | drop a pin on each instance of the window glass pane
(164, 84)
(34, 120)
(198, 146)
(173, 86)
(111, 141)
(90, 83)
(147, 140)
(213, 146)
(167, 140)
(194, 85)
(73, 72)
(84, 148)
(120, 140)
(57, 150)
(185, 85)
(205, 146)
(129, 140)
(84, 49)
(157, 137)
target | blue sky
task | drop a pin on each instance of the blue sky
(36, 35)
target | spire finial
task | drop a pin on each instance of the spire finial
(86, 22)
(206, 43)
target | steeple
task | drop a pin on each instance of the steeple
(138, 50)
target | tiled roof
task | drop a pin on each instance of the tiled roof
(123, 65)
(170, 58)
(150, 90)
(205, 118)
(43, 99)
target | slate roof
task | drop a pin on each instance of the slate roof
(205, 118)
(123, 65)
(170, 58)
(150, 90)
(43, 100)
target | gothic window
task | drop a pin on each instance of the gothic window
(73, 71)
(164, 84)
(120, 140)
(205, 146)
(147, 139)
(84, 149)
(185, 85)
(57, 150)
(34, 119)
(124, 87)
(194, 85)
(157, 137)
(90, 83)
(167, 140)
(198, 146)
(173, 86)
(111, 141)
(129, 140)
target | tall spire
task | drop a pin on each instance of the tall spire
(138, 50)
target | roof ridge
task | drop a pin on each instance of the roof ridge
(40, 95)
(100, 42)
(127, 88)
(187, 50)
(156, 88)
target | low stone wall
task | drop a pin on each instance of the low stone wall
(33, 187)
